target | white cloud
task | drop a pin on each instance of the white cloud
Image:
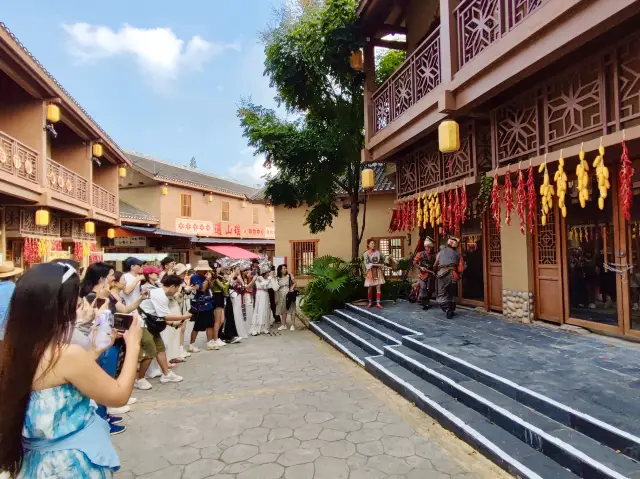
(250, 172)
(157, 51)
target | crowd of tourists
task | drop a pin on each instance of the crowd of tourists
(74, 344)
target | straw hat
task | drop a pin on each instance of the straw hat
(181, 268)
(203, 265)
(7, 270)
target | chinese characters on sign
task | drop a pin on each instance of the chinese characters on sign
(221, 229)
(130, 241)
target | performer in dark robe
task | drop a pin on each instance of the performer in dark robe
(449, 266)
(425, 261)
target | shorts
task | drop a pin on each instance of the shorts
(150, 345)
(202, 320)
(218, 300)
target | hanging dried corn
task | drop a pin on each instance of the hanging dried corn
(531, 199)
(602, 175)
(561, 185)
(582, 178)
(546, 192)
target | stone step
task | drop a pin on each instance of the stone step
(385, 334)
(584, 456)
(489, 439)
(363, 338)
(338, 341)
(603, 432)
(378, 318)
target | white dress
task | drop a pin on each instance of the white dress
(238, 316)
(248, 310)
(261, 310)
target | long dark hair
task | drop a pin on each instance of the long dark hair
(279, 272)
(95, 272)
(42, 312)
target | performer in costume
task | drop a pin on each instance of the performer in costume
(449, 265)
(425, 261)
(374, 278)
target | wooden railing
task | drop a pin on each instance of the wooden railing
(103, 200)
(18, 160)
(416, 77)
(65, 181)
(483, 22)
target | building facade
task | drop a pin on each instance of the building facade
(188, 212)
(527, 82)
(59, 169)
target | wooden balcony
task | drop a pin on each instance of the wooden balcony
(480, 49)
(103, 200)
(66, 183)
(19, 165)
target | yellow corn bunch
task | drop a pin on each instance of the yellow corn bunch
(546, 193)
(582, 176)
(434, 210)
(425, 211)
(602, 174)
(561, 186)
(419, 211)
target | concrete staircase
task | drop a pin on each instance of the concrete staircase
(525, 432)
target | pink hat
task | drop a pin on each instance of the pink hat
(151, 270)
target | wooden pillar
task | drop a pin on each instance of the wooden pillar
(448, 41)
(369, 90)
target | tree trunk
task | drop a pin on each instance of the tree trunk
(355, 240)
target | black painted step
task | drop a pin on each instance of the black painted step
(385, 334)
(340, 342)
(584, 456)
(361, 337)
(494, 442)
(600, 431)
(375, 316)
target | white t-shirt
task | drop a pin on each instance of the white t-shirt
(157, 304)
(132, 297)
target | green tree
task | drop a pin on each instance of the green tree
(387, 63)
(317, 155)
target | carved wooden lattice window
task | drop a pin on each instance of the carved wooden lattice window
(547, 240)
(303, 253)
(478, 27)
(521, 9)
(495, 244)
(459, 164)
(428, 159)
(407, 176)
(516, 128)
(393, 247)
(628, 55)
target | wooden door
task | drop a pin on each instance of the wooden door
(494, 266)
(548, 268)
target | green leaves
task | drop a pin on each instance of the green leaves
(387, 64)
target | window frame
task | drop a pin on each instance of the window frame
(293, 263)
(228, 203)
(184, 205)
(388, 273)
(255, 215)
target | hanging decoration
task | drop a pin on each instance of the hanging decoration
(582, 175)
(546, 192)
(486, 183)
(412, 214)
(531, 199)
(508, 197)
(393, 224)
(602, 175)
(426, 211)
(626, 181)
(419, 212)
(521, 198)
(495, 202)
(450, 212)
(37, 250)
(456, 212)
(561, 185)
(464, 203)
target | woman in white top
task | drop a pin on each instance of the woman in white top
(286, 285)
(236, 291)
(262, 316)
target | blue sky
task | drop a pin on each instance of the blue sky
(161, 77)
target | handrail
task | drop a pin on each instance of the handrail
(18, 159)
(65, 181)
(103, 199)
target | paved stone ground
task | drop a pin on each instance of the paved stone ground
(597, 375)
(286, 407)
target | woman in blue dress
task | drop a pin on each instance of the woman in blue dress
(48, 426)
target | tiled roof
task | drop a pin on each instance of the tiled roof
(162, 170)
(129, 211)
(382, 183)
(155, 231)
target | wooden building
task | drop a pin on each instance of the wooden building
(527, 81)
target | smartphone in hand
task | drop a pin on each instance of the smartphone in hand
(122, 322)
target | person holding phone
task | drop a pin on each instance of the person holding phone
(168, 267)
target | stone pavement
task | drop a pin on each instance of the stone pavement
(288, 407)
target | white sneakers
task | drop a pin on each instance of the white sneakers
(118, 411)
(220, 342)
(142, 384)
(282, 328)
(170, 378)
(132, 401)
(193, 349)
(292, 328)
(211, 346)
(184, 354)
(236, 340)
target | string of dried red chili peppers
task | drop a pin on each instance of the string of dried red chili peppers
(508, 196)
(495, 202)
(464, 203)
(450, 211)
(521, 194)
(626, 183)
(531, 199)
(445, 213)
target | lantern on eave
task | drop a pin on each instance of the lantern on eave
(448, 136)
(97, 150)
(357, 60)
(53, 113)
(368, 179)
(90, 227)
(42, 217)
(165, 189)
(210, 197)
(244, 203)
(270, 209)
(111, 233)
(122, 172)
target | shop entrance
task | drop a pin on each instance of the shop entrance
(471, 289)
